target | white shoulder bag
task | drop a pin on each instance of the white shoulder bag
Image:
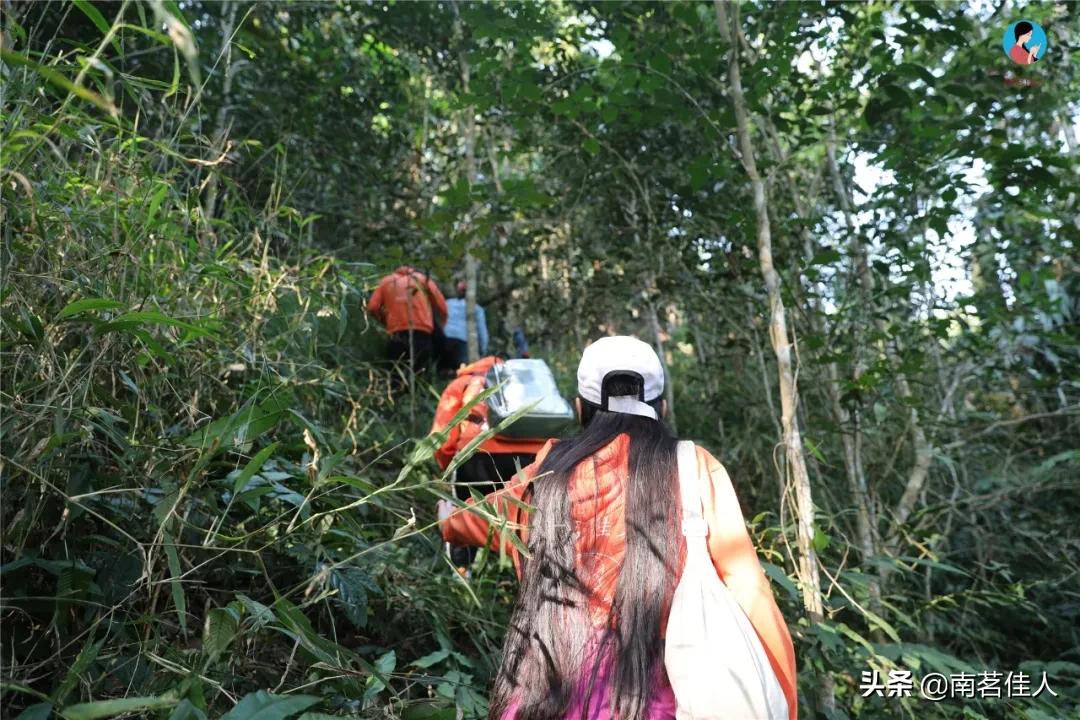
(715, 662)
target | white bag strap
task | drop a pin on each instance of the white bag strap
(693, 523)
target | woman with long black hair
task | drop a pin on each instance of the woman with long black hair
(600, 516)
(1020, 53)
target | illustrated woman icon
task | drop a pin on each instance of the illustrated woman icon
(1020, 53)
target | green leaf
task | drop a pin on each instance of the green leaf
(253, 466)
(177, 588)
(39, 711)
(428, 710)
(262, 705)
(779, 577)
(153, 317)
(352, 585)
(698, 171)
(813, 448)
(110, 708)
(156, 200)
(430, 659)
(299, 628)
(826, 256)
(385, 665)
(260, 614)
(186, 710)
(86, 657)
(821, 540)
(387, 662)
(86, 305)
(242, 427)
(98, 19)
(219, 631)
(59, 80)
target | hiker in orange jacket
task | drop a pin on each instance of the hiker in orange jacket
(605, 553)
(493, 463)
(408, 303)
(495, 460)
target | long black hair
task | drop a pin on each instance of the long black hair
(1022, 28)
(543, 655)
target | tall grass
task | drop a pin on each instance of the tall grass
(202, 503)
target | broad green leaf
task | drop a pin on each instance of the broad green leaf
(156, 200)
(387, 662)
(260, 614)
(111, 708)
(219, 630)
(352, 585)
(39, 711)
(262, 705)
(780, 577)
(86, 305)
(186, 710)
(299, 627)
(153, 317)
(242, 427)
(821, 540)
(252, 467)
(384, 665)
(430, 659)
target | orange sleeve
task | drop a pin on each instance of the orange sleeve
(737, 563)
(468, 527)
(438, 301)
(374, 305)
(449, 404)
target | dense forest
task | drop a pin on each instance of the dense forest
(849, 229)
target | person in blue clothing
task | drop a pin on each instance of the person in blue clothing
(456, 353)
(521, 344)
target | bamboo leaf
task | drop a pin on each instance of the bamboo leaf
(110, 708)
(253, 466)
(86, 305)
(59, 80)
(153, 317)
(177, 588)
(262, 705)
(86, 657)
(39, 711)
(99, 20)
(430, 659)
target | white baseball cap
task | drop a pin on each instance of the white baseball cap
(621, 354)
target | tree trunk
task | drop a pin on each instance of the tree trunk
(923, 449)
(848, 421)
(792, 439)
(221, 118)
(471, 269)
